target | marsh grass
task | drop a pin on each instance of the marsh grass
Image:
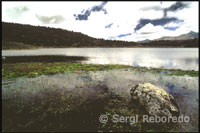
(35, 69)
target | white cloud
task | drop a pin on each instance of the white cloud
(150, 28)
(124, 16)
(172, 24)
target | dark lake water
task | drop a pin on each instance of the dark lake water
(170, 58)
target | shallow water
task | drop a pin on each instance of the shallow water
(170, 58)
(183, 88)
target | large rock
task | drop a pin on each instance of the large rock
(156, 100)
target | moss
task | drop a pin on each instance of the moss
(38, 68)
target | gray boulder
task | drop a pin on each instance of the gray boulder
(155, 100)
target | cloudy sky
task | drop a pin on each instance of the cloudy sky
(129, 21)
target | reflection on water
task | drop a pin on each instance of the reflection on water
(171, 58)
(185, 88)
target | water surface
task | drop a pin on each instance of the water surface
(170, 58)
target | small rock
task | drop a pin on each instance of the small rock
(155, 99)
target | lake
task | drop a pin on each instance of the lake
(170, 58)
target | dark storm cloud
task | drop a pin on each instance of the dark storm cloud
(156, 22)
(50, 19)
(109, 25)
(164, 20)
(86, 13)
(175, 7)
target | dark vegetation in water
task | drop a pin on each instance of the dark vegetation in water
(42, 58)
(38, 68)
(18, 36)
(64, 111)
(34, 69)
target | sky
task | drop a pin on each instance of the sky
(127, 21)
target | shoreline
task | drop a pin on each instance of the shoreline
(34, 69)
(59, 96)
(35, 48)
(77, 98)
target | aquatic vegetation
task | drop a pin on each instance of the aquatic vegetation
(64, 110)
(64, 96)
(63, 102)
(35, 69)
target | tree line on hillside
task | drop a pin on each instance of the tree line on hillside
(12, 34)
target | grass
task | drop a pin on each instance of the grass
(36, 68)
(39, 68)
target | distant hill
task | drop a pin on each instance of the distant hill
(18, 36)
(190, 43)
(144, 41)
(190, 35)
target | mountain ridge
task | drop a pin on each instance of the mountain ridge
(19, 36)
(189, 35)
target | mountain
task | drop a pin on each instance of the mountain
(190, 35)
(190, 43)
(144, 41)
(19, 36)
